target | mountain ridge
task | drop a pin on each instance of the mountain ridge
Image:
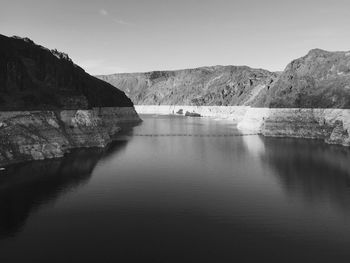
(215, 85)
(320, 79)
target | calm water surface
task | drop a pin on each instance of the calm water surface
(178, 189)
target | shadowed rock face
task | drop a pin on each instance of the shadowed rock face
(49, 105)
(34, 77)
(219, 85)
(321, 79)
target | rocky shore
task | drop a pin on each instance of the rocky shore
(330, 125)
(37, 135)
(49, 105)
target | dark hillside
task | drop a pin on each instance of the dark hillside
(34, 77)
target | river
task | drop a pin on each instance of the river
(180, 189)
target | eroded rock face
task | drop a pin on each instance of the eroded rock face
(35, 78)
(219, 85)
(330, 125)
(321, 79)
(49, 105)
(38, 135)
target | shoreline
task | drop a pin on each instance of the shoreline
(39, 135)
(330, 125)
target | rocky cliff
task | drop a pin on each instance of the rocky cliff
(49, 105)
(219, 85)
(329, 125)
(321, 79)
(37, 135)
(34, 77)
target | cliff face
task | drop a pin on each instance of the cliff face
(34, 77)
(37, 135)
(219, 85)
(330, 125)
(321, 79)
(49, 105)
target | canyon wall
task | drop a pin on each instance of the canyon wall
(33, 77)
(49, 105)
(330, 125)
(320, 79)
(36, 135)
(209, 86)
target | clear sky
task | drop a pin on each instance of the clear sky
(110, 36)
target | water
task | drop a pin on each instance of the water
(178, 189)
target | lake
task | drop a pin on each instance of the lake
(180, 189)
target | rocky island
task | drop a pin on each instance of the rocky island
(49, 105)
(309, 99)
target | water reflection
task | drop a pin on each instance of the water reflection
(307, 169)
(182, 199)
(26, 187)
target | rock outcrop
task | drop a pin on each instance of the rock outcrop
(49, 105)
(330, 125)
(37, 135)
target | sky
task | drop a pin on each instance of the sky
(112, 36)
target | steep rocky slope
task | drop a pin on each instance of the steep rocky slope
(49, 105)
(34, 77)
(219, 85)
(321, 79)
(38, 135)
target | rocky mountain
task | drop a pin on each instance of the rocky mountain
(34, 77)
(218, 85)
(49, 105)
(321, 79)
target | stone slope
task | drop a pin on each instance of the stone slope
(49, 105)
(34, 77)
(37, 135)
(218, 85)
(321, 79)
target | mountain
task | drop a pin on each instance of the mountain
(321, 79)
(34, 77)
(218, 85)
(49, 105)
